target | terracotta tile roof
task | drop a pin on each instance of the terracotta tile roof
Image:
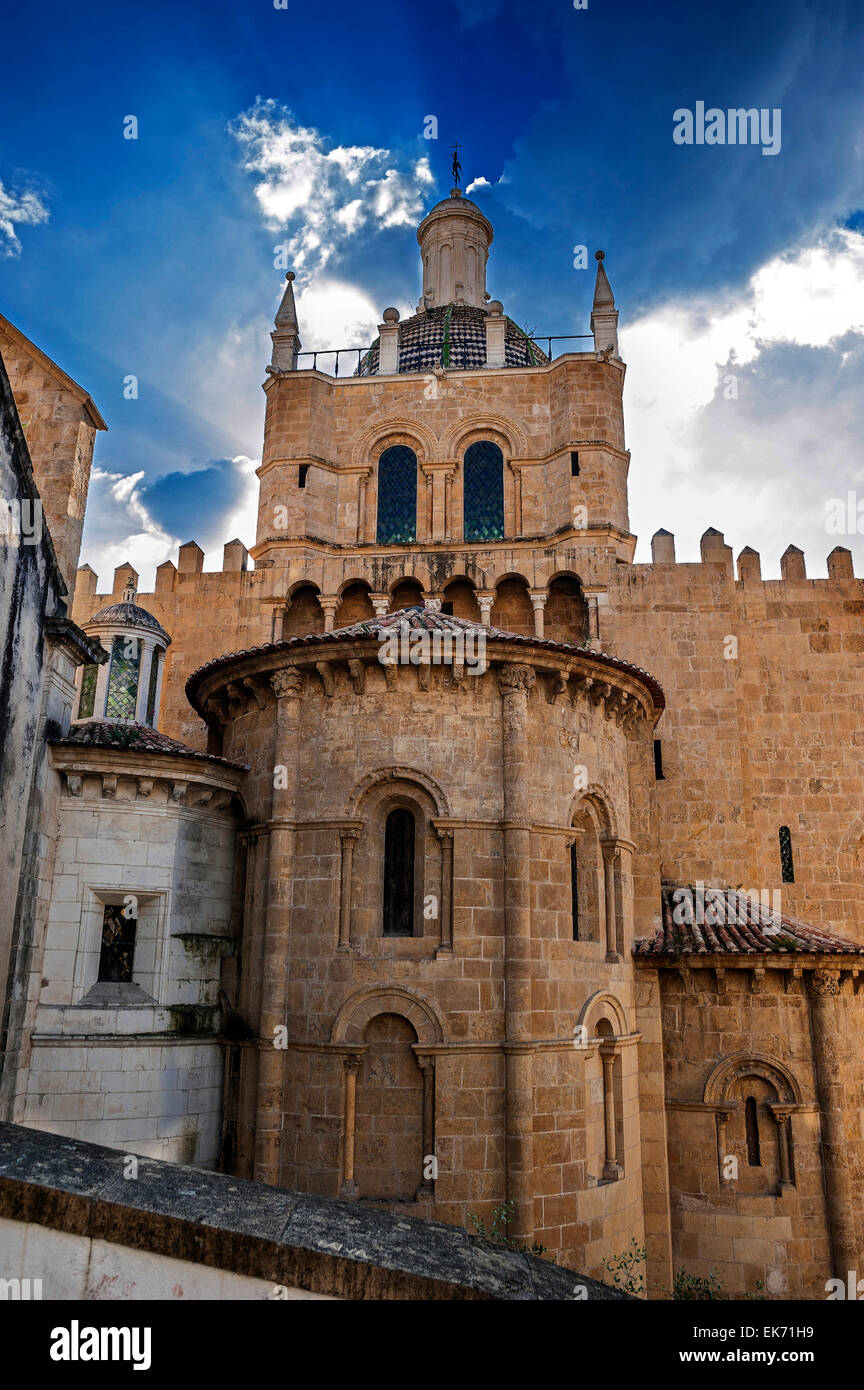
(426, 619)
(134, 738)
(743, 926)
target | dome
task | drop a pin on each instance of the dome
(454, 336)
(126, 615)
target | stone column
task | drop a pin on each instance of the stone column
(448, 505)
(348, 839)
(610, 863)
(148, 648)
(538, 599)
(514, 683)
(427, 1066)
(611, 1167)
(349, 1189)
(361, 506)
(517, 499)
(288, 686)
(783, 1117)
(329, 603)
(841, 1147)
(446, 899)
(721, 1119)
(485, 599)
(593, 621)
(381, 604)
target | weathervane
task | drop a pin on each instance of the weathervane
(457, 167)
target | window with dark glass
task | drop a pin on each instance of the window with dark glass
(786, 865)
(658, 760)
(397, 496)
(302, 472)
(87, 698)
(751, 1122)
(118, 944)
(123, 678)
(574, 891)
(483, 494)
(399, 873)
(150, 717)
(574, 464)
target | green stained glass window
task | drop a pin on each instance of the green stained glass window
(150, 718)
(483, 505)
(397, 496)
(87, 698)
(123, 678)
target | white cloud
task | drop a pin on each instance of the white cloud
(321, 197)
(120, 528)
(24, 209)
(758, 465)
(477, 183)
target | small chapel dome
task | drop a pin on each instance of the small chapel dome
(127, 687)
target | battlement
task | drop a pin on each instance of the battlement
(748, 567)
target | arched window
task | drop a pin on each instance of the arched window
(397, 496)
(751, 1124)
(786, 865)
(483, 492)
(399, 873)
(574, 889)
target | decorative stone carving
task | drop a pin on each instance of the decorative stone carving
(357, 670)
(289, 683)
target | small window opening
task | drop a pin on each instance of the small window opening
(658, 760)
(301, 474)
(574, 464)
(118, 944)
(786, 864)
(574, 891)
(751, 1120)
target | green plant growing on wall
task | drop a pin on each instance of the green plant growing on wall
(625, 1271)
(497, 1232)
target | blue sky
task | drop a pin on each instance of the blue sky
(260, 127)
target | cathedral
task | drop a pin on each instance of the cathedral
(431, 853)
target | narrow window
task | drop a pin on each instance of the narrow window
(574, 464)
(301, 474)
(658, 761)
(88, 691)
(150, 718)
(397, 496)
(118, 944)
(483, 503)
(786, 864)
(574, 891)
(751, 1121)
(399, 873)
(123, 678)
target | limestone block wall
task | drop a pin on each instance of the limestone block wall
(763, 726)
(755, 1227)
(60, 423)
(136, 1066)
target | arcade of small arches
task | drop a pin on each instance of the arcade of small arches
(560, 611)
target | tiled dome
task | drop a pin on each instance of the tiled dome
(126, 615)
(452, 336)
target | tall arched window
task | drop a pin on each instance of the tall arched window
(397, 495)
(787, 867)
(483, 492)
(574, 889)
(751, 1125)
(399, 873)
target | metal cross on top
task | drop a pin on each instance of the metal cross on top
(457, 167)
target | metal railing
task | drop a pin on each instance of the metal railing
(357, 354)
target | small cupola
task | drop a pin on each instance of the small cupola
(126, 689)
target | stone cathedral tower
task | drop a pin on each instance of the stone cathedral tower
(525, 882)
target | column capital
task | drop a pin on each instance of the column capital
(513, 677)
(288, 684)
(824, 984)
(538, 597)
